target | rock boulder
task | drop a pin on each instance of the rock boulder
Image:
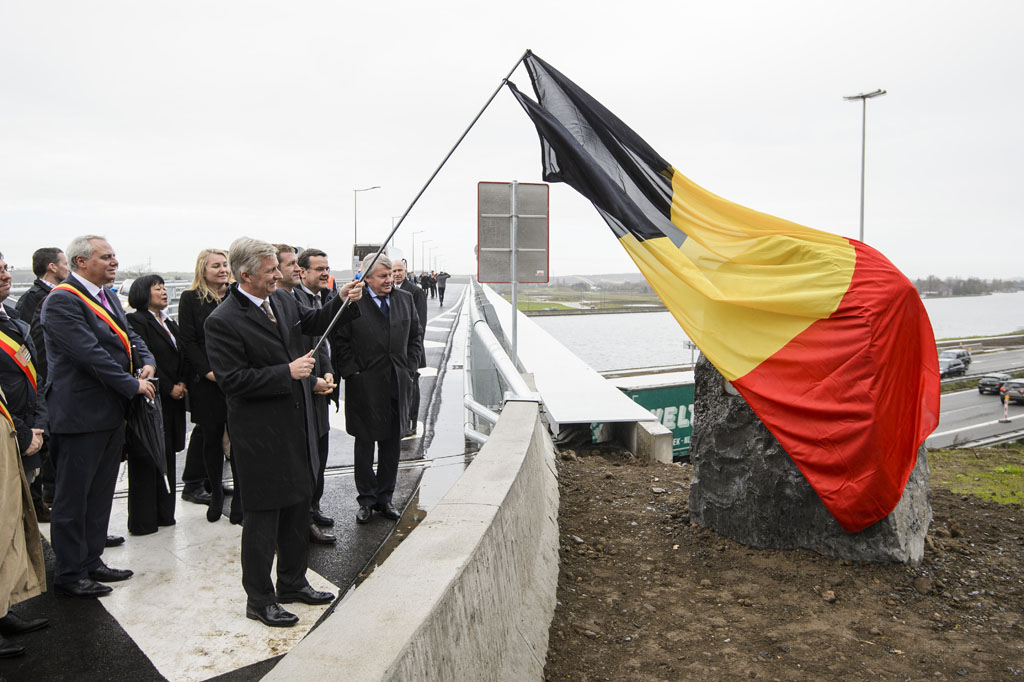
(747, 488)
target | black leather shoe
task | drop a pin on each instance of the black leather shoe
(199, 496)
(83, 588)
(272, 615)
(307, 595)
(363, 515)
(321, 520)
(9, 649)
(114, 541)
(106, 574)
(387, 511)
(320, 536)
(13, 624)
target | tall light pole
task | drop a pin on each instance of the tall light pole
(423, 252)
(430, 257)
(355, 213)
(863, 97)
(413, 253)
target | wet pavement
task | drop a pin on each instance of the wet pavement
(182, 616)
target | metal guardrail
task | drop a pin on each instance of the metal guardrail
(479, 335)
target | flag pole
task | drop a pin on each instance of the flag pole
(433, 175)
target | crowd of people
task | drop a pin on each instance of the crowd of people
(434, 283)
(245, 361)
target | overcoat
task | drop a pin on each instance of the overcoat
(171, 368)
(267, 409)
(205, 398)
(419, 299)
(370, 354)
(321, 423)
(22, 570)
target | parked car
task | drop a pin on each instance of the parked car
(951, 367)
(1014, 389)
(961, 354)
(991, 383)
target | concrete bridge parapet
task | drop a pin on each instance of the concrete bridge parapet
(470, 594)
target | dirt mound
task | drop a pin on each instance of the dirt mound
(645, 595)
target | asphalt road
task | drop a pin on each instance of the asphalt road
(966, 415)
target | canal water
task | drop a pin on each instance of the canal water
(627, 340)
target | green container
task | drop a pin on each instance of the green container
(673, 407)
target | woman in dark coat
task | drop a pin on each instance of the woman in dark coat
(209, 410)
(150, 497)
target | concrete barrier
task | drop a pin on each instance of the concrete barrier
(470, 594)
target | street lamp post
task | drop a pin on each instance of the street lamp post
(413, 252)
(355, 215)
(863, 97)
(423, 251)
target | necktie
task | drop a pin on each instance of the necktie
(268, 311)
(384, 308)
(103, 299)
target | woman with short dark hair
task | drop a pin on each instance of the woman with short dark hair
(151, 499)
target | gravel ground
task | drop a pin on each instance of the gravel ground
(646, 595)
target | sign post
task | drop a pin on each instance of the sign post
(512, 239)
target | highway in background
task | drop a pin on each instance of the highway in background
(968, 416)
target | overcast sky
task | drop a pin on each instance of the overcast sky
(174, 126)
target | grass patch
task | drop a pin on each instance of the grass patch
(995, 474)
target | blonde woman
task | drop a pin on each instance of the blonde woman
(209, 410)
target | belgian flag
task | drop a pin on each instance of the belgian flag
(823, 337)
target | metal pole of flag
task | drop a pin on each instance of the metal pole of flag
(433, 175)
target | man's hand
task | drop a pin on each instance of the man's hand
(325, 386)
(36, 444)
(354, 290)
(148, 371)
(178, 391)
(301, 368)
(210, 377)
(147, 388)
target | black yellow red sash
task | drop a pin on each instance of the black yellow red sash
(19, 353)
(5, 413)
(104, 315)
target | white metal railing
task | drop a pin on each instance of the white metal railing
(515, 388)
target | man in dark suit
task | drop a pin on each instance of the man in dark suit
(92, 353)
(50, 266)
(399, 270)
(255, 346)
(321, 384)
(313, 291)
(377, 355)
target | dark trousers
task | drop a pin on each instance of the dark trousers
(440, 295)
(318, 490)
(287, 531)
(213, 458)
(86, 466)
(193, 476)
(377, 489)
(150, 497)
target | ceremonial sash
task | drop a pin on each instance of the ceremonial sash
(104, 315)
(5, 413)
(19, 353)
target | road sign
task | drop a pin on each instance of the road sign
(512, 231)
